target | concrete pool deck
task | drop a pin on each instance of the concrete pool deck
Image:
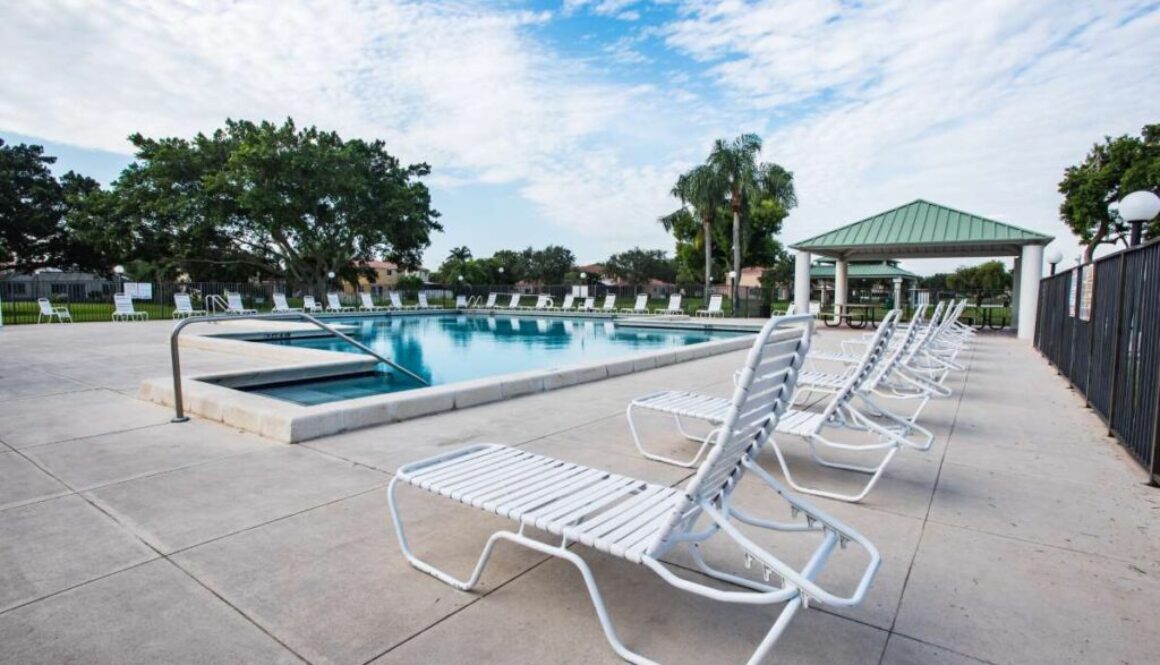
(1025, 536)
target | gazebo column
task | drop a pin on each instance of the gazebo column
(1031, 270)
(1016, 281)
(801, 282)
(841, 284)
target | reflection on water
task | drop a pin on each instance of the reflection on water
(447, 349)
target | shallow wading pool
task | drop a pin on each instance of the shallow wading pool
(455, 348)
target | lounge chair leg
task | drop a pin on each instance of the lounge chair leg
(668, 460)
(851, 498)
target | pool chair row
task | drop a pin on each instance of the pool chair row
(646, 524)
(571, 303)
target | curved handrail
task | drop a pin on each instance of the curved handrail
(175, 354)
(214, 302)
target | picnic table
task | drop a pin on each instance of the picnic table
(855, 315)
(986, 315)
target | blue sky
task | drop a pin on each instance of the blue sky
(567, 122)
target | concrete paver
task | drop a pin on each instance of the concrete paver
(36, 421)
(21, 482)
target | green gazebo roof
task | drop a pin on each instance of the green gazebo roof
(922, 229)
(862, 270)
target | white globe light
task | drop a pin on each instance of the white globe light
(120, 270)
(1139, 206)
(1054, 256)
(583, 275)
(330, 274)
(501, 270)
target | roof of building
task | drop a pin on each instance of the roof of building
(923, 229)
(862, 270)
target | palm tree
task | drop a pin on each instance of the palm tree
(461, 253)
(703, 189)
(736, 162)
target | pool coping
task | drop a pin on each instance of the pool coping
(214, 396)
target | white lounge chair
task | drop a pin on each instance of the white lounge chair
(397, 301)
(542, 303)
(334, 304)
(123, 309)
(309, 305)
(714, 308)
(515, 302)
(674, 306)
(609, 303)
(842, 413)
(460, 302)
(640, 307)
(367, 304)
(48, 311)
(234, 305)
(643, 523)
(281, 306)
(423, 304)
(567, 305)
(588, 306)
(183, 307)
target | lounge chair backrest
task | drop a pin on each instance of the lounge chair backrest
(875, 354)
(899, 351)
(123, 303)
(590, 303)
(396, 299)
(926, 333)
(46, 306)
(515, 301)
(610, 301)
(641, 302)
(333, 301)
(675, 301)
(764, 390)
(423, 299)
(715, 303)
(461, 301)
(542, 302)
(569, 302)
(490, 300)
(308, 302)
(280, 301)
(183, 302)
(234, 300)
(789, 309)
(365, 299)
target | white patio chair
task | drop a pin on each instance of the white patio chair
(281, 306)
(48, 311)
(542, 303)
(183, 307)
(589, 305)
(642, 523)
(674, 306)
(460, 302)
(515, 302)
(367, 304)
(568, 304)
(640, 307)
(714, 308)
(234, 305)
(842, 413)
(123, 309)
(397, 301)
(309, 305)
(609, 303)
(334, 304)
(423, 304)
(490, 304)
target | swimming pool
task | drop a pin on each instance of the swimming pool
(454, 348)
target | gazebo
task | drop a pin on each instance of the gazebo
(925, 230)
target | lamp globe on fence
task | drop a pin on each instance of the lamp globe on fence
(1054, 257)
(1137, 208)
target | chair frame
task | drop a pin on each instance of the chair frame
(635, 526)
(186, 311)
(123, 309)
(714, 308)
(368, 304)
(282, 306)
(49, 310)
(334, 304)
(639, 307)
(673, 307)
(235, 307)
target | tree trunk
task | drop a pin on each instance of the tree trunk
(707, 231)
(736, 257)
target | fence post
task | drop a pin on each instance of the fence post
(1116, 343)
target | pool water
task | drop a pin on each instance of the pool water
(453, 348)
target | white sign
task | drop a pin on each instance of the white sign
(1072, 290)
(139, 290)
(1087, 289)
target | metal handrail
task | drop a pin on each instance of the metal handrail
(214, 302)
(175, 354)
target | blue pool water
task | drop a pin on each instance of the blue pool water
(452, 348)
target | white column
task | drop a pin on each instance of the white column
(801, 282)
(841, 282)
(1016, 280)
(1031, 270)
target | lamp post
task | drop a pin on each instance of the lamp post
(732, 293)
(898, 293)
(1137, 208)
(1053, 258)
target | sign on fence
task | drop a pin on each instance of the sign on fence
(1072, 285)
(1087, 289)
(139, 290)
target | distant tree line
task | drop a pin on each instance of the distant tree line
(245, 201)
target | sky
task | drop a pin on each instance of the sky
(568, 122)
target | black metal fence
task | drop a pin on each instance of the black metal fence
(1099, 325)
